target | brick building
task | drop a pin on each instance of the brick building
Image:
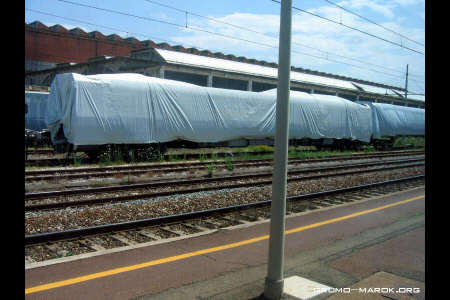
(45, 47)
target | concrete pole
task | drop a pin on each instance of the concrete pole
(274, 283)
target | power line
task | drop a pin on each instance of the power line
(168, 23)
(370, 21)
(353, 28)
(214, 33)
(197, 15)
(222, 35)
(263, 34)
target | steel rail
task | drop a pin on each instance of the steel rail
(176, 167)
(167, 157)
(39, 195)
(74, 233)
(40, 151)
(59, 205)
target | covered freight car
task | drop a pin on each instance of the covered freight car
(36, 133)
(390, 122)
(134, 110)
(36, 103)
(328, 121)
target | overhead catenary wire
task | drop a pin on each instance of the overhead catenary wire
(374, 23)
(222, 35)
(263, 34)
(354, 28)
(209, 32)
(201, 16)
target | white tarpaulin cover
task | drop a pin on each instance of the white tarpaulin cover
(326, 116)
(37, 104)
(393, 120)
(134, 109)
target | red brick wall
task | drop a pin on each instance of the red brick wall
(45, 45)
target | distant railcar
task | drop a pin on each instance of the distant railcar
(35, 110)
(36, 133)
(390, 122)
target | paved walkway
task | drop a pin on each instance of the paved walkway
(338, 247)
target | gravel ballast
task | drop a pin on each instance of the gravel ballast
(73, 218)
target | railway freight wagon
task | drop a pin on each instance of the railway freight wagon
(390, 122)
(136, 113)
(36, 132)
(36, 103)
(337, 123)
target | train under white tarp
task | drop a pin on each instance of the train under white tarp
(136, 109)
(37, 107)
(326, 116)
(392, 120)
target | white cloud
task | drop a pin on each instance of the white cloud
(384, 9)
(308, 31)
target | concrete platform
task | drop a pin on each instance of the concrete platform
(378, 242)
(390, 287)
(303, 288)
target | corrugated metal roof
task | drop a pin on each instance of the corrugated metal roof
(245, 68)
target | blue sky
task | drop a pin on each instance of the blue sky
(316, 44)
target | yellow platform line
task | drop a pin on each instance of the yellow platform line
(79, 279)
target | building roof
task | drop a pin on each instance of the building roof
(219, 64)
(132, 40)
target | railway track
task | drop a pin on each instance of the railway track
(67, 161)
(53, 245)
(77, 173)
(166, 157)
(40, 151)
(121, 193)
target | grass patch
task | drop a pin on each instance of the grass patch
(76, 162)
(202, 157)
(415, 142)
(210, 169)
(260, 148)
(229, 164)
